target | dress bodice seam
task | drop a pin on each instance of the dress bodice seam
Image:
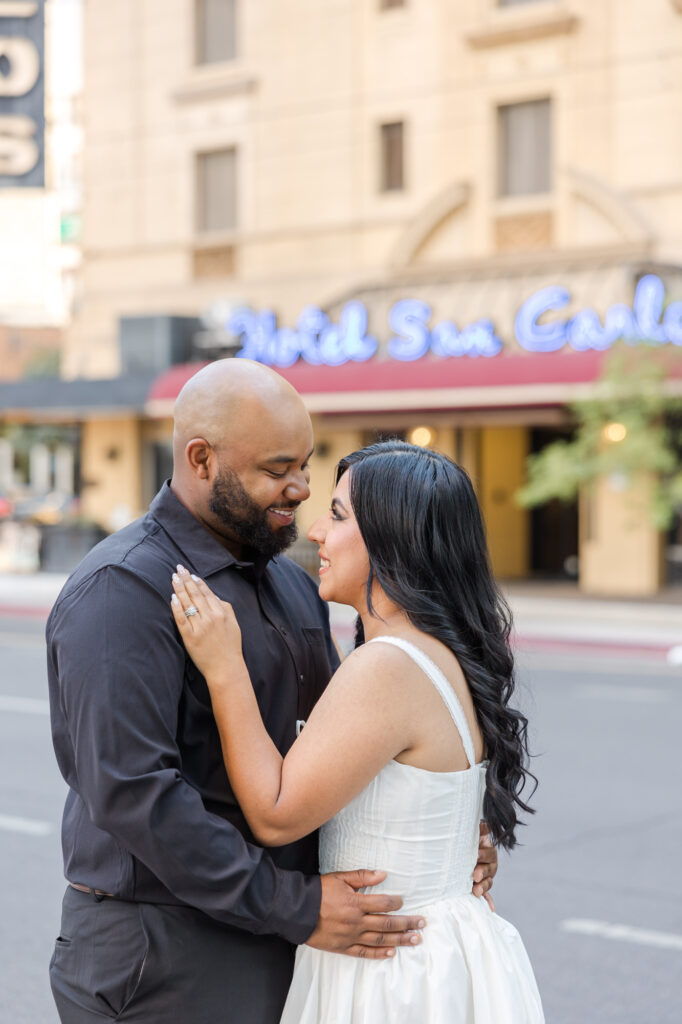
(429, 771)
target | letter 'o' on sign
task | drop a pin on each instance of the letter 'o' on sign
(19, 66)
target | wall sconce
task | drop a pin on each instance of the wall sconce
(422, 436)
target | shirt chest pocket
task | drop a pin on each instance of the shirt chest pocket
(317, 671)
(314, 635)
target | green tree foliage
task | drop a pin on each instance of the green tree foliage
(637, 392)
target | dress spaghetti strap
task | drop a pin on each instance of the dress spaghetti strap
(450, 698)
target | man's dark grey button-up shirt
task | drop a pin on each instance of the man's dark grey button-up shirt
(150, 815)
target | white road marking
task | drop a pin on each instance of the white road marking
(25, 705)
(27, 826)
(623, 933)
(629, 694)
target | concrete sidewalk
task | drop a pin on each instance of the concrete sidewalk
(556, 616)
(29, 593)
(547, 618)
(551, 616)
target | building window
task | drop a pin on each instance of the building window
(392, 156)
(525, 148)
(217, 190)
(216, 31)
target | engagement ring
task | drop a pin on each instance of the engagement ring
(191, 611)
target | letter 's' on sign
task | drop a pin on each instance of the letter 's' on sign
(22, 93)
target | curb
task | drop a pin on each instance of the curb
(662, 652)
(24, 612)
(666, 650)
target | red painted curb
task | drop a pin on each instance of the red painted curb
(12, 611)
(524, 642)
(658, 652)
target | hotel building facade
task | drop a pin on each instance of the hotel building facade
(433, 218)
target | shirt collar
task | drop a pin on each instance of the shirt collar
(203, 553)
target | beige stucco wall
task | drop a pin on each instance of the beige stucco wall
(111, 471)
(620, 551)
(302, 104)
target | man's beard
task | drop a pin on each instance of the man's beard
(245, 519)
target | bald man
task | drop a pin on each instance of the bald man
(173, 914)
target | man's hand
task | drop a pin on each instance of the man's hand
(359, 924)
(486, 866)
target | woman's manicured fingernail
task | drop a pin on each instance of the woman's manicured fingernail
(421, 923)
(181, 569)
(175, 599)
(176, 578)
(195, 578)
(390, 952)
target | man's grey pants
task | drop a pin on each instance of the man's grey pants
(145, 963)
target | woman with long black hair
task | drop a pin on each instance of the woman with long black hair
(413, 742)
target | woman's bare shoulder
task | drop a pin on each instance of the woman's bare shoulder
(377, 653)
(372, 684)
(376, 665)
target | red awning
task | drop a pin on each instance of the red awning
(507, 379)
(169, 383)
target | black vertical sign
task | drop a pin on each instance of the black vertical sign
(22, 93)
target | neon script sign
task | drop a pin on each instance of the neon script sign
(647, 320)
(320, 341)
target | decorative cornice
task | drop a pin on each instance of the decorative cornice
(215, 80)
(521, 25)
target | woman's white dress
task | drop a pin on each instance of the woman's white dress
(422, 828)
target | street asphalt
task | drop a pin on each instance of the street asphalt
(595, 889)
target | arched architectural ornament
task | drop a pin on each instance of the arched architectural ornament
(420, 229)
(624, 215)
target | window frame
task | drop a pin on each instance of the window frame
(202, 230)
(385, 186)
(503, 175)
(199, 56)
